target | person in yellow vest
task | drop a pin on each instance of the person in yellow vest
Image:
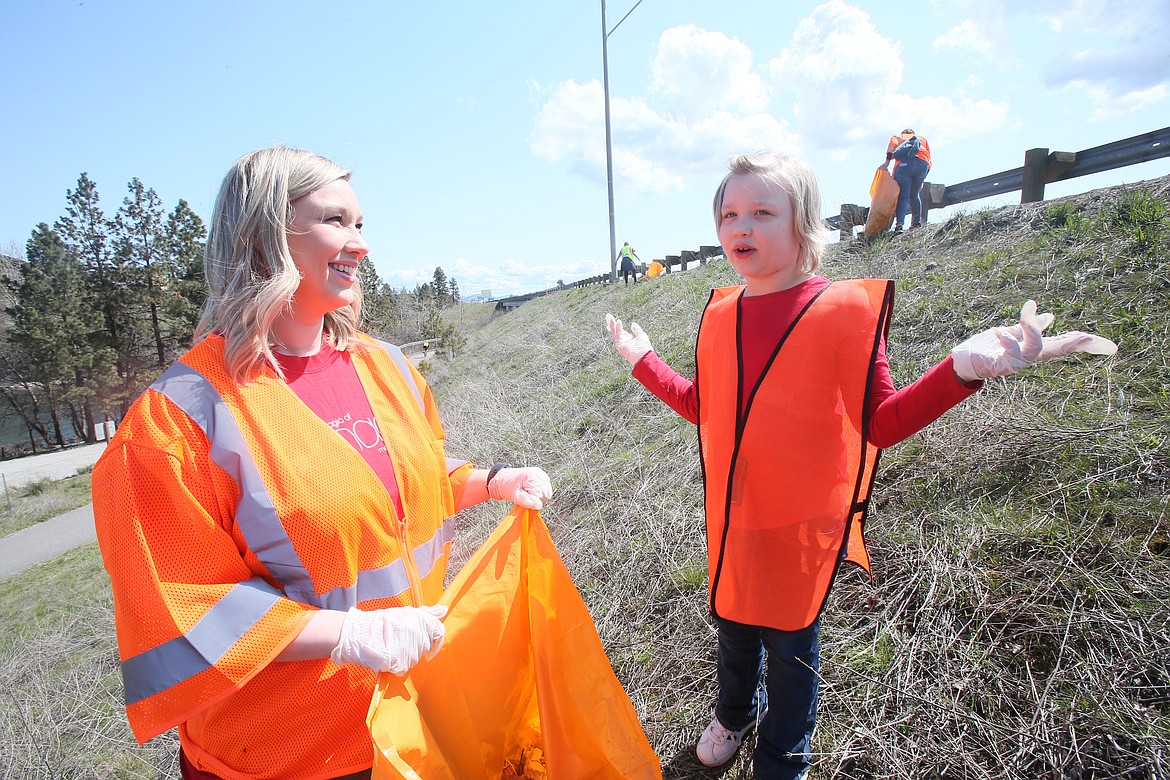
(793, 400)
(274, 511)
(910, 154)
(628, 256)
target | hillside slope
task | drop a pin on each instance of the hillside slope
(1018, 623)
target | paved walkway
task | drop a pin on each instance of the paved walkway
(51, 538)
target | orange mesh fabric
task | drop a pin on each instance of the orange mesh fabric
(200, 613)
(521, 687)
(786, 489)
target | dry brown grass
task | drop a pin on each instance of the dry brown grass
(1018, 624)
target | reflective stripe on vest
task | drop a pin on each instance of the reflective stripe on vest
(202, 646)
(256, 514)
(233, 615)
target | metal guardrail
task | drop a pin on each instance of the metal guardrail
(701, 256)
(1040, 167)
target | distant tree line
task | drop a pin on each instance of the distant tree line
(101, 304)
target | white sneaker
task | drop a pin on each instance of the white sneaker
(718, 744)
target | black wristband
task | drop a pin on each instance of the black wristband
(495, 470)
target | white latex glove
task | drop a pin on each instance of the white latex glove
(1004, 351)
(526, 487)
(632, 344)
(390, 640)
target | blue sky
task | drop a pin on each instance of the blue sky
(475, 129)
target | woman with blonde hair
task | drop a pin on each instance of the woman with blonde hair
(275, 510)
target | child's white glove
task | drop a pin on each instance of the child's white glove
(390, 640)
(526, 487)
(1004, 351)
(632, 344)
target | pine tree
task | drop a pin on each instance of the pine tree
(184, 290)
(45, 357)
(381, 314)
(85, 233)
(141, 253)
(439, 286)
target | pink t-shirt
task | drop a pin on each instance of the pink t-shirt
(328, 384)
(893, 414)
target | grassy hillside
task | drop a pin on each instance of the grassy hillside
(1018, 624)
(1018, 621)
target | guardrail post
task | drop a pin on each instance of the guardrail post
(674, 260)
(933, 196)
(1035, 175)
(852, 215)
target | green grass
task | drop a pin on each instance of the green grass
(1016, 625)
(41, 500)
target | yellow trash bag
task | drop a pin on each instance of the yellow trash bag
(883, 194)
(521, 687)
(655, 269)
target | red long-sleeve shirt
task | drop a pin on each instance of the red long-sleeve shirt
(893, 414)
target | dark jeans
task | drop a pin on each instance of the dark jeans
(790, 684)
(910, 177)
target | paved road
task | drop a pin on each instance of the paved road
(55, 465)
(51, 538)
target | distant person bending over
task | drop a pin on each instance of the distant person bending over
(793, 398)
(628, 255)
(911, 155)
(274, 511)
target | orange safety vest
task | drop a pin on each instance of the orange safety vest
(226, 515)
(788, 480)
(923, 146)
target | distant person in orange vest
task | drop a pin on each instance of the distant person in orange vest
(910, 154)
(789, 442)
(274, 511)
(628, 255)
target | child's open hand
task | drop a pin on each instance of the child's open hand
(1004, 351)
(632, 344)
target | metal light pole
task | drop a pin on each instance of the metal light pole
(608, 138)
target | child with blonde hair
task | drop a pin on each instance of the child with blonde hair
(793, 400)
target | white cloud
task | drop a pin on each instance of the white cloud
(1114, 52)
(1109, 105)
(967, 37)
(845, 78)
(706, 103)
(567, 119)
(697, 72)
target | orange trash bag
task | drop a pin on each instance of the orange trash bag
(521, 687)
(883, 205)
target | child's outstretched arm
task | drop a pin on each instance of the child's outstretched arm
(1006, 350)
(675, 391)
